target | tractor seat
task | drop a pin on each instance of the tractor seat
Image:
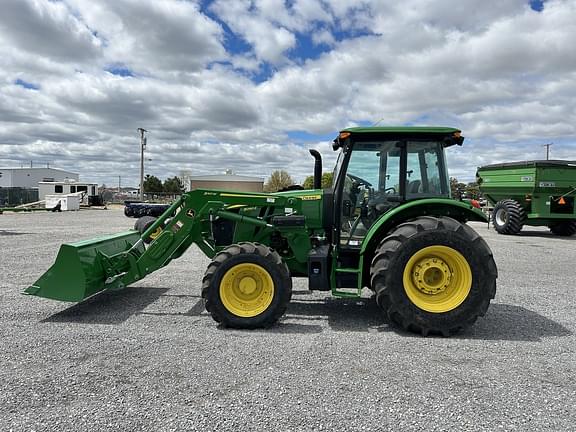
(414, 187)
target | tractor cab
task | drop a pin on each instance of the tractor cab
(380, 168)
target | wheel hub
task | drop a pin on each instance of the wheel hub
(437, 278)
(247, 285)
(246, 290)
(431, 275)
(501, 216)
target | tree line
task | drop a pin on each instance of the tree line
(153, 184)
(464, 190)
(280, 179)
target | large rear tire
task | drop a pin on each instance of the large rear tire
(508, 217)
(247, 285)
(433, 276)
(565, 228)
(145, 222)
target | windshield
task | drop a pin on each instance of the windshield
(375, 181)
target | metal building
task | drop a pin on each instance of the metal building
(227, 182)
(30, 177)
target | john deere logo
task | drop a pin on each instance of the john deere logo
(191, 213)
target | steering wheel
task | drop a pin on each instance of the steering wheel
(390, 190)
(359, 180)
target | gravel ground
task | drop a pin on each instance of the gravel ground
(150, 358)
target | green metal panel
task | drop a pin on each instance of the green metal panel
(533, 184)
(311, 205)
(308, 203)
(498, 184)
(458, 210)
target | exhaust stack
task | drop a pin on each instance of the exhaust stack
(317, 169)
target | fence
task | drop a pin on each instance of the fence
(14, 196)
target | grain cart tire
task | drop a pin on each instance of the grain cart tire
(143, 223)
(565, 228)
(508, 217)
(433, 276)
(247, 285)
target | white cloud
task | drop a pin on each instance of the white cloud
(504, 74)
(269, 40)
(323, 37)
(47, 29)
(153, 36)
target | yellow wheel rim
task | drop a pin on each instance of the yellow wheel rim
(437, 279)
(156, 233)
(246, 290)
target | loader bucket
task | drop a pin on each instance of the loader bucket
(78, 272)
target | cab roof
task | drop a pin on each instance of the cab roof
(402, 130)
(450, 136)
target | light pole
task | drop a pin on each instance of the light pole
(547, 150)
(142, 147)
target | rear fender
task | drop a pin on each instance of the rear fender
(458, 210)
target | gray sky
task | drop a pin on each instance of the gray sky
(251, 85)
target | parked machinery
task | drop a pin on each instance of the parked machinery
(536, 193)
(138, 209)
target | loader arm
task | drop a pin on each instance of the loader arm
(85, 268)
(188, 221)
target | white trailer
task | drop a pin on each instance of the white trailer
(86, 189)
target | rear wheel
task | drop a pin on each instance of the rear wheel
(145, 222)
(565, 228)
(247, 285)
(508, 217)
(433, 275)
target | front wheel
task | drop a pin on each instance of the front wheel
(433, 275)
(508, 217)
(247, 285)
(145, 222)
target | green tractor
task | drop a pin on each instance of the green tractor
(387, 223)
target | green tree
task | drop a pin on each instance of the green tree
(152, 184)
(279, 179)
(472, 190)
(173, 185)
(326, 181)
(456, 188)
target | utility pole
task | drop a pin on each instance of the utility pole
(547, 150)
(142, 147)
(119, 183)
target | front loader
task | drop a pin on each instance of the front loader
(387, 223)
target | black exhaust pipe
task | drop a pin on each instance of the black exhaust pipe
(317, 169)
